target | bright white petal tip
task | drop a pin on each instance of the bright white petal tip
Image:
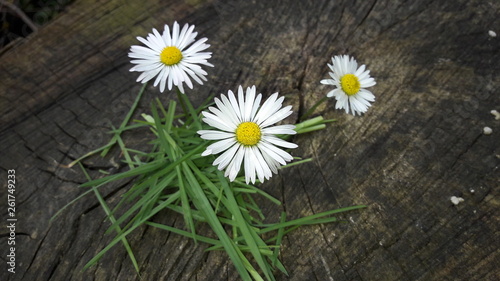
(350, 83)
(246, 134)
(206, 152)
(174, 58)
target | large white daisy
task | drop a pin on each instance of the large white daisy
(245, 134)
(351, 83)
(173, 58)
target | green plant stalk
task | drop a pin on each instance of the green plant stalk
(126, 120)
(195, 237)
(246, 231)
(201, 202)
(112, 219)
(190, 109)
(173, 150)
(279, 237)
(126, 232)
(314, 124)
(313, 108)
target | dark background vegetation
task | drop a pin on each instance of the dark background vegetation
(39, 12)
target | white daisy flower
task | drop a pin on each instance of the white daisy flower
(245, 134)
(173, 58)
(350, 82)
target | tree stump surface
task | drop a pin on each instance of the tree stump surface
(422, 141)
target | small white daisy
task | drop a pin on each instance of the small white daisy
(245, 134)
(172, 58)
(350, 82)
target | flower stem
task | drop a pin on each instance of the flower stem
(311, 110)
(188, 109)
(314, 124)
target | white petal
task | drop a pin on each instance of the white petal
(207, 152)
(264, 111)
(279, 142)
(263, 171)
(327, 82)
(367, 82)
(269, 108)
(214, 135)
(217, 122)
(367, 95)
(249, 166)
(225, 158)
(249, 102)
(360, 71)
(221, 145)
(273, 164)
(280, 152)
(241, 104)
(278, 130)
(234, 105)
(255, 106)
(272, 151)
(234, 167)
(227, 109)
(277, 116)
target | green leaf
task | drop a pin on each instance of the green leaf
(126, 232)
(112, 219)
(185, 233)
(125, 120)
(190, 109)
(312, 219)
(251, 238)
(202, 203)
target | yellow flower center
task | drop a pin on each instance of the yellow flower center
(248, 133)
(350, 84)
(171, 55)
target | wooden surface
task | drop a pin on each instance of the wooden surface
(437, 73)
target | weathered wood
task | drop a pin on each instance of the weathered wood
(437, 76)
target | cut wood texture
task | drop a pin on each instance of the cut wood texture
(438, 77)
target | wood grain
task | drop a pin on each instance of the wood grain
(420, 143)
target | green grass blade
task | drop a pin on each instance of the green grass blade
(279, 237)
(112, 220)
(185, 204)
(243, 227)
(192, 112)
(131, 173)
(313, 108)
(125, 121)
(125, 153)
(126, 232)
(144, 169)
(296, 163)
(201, 202)
(70, 203)
(309, 219)
(89, 154)
(185, 233)
(258, 191)
(147, 199)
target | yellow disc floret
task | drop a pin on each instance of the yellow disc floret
(171, 55)
(350, 84)
(248, 133)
